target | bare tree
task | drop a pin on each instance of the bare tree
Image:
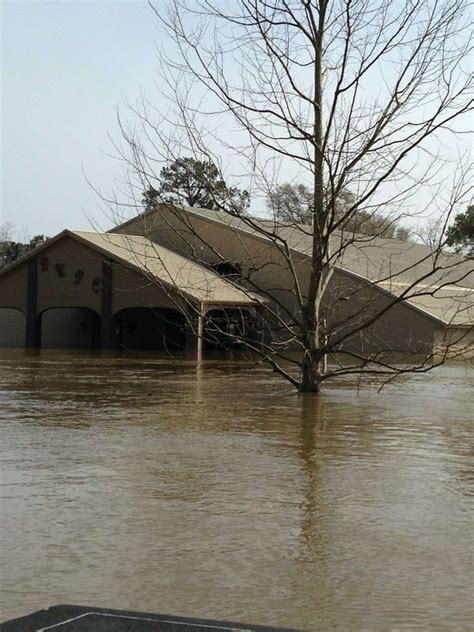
(294, 203)
(346, 96)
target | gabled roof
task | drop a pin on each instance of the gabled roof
(157, 263)
(390, 264)
(450, 304)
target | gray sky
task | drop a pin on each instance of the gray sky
(66, 66)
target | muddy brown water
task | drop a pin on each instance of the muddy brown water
(153, 484)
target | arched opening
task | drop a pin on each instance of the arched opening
(12, 327)
(149, 328)
(70, 328)
(228, 328)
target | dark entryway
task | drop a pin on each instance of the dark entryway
(226, 328)
(12, 327)
(70, 328)
(149, 328)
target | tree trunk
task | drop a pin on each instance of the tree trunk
(310, 382)
(310, 365)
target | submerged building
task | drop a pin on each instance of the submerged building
(178, 278)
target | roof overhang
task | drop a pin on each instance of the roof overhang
(202, 285)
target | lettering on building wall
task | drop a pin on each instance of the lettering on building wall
(59, 267)
(96, 284)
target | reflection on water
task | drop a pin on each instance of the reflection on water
(146, 483)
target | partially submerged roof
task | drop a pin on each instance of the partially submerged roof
(159, 264)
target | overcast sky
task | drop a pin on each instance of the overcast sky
(66, 66)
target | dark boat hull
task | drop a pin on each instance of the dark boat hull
(87, 619)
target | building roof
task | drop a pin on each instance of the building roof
(450, 304)
(168, 267)
(158, 263)
(446, 285)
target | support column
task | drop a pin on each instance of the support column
(261, 336)
(195, 331)
(107, 340)
(33, 325)
(200, 333)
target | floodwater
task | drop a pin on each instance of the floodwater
(153, 484)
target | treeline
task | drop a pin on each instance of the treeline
(11, 250)
(199, 183)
